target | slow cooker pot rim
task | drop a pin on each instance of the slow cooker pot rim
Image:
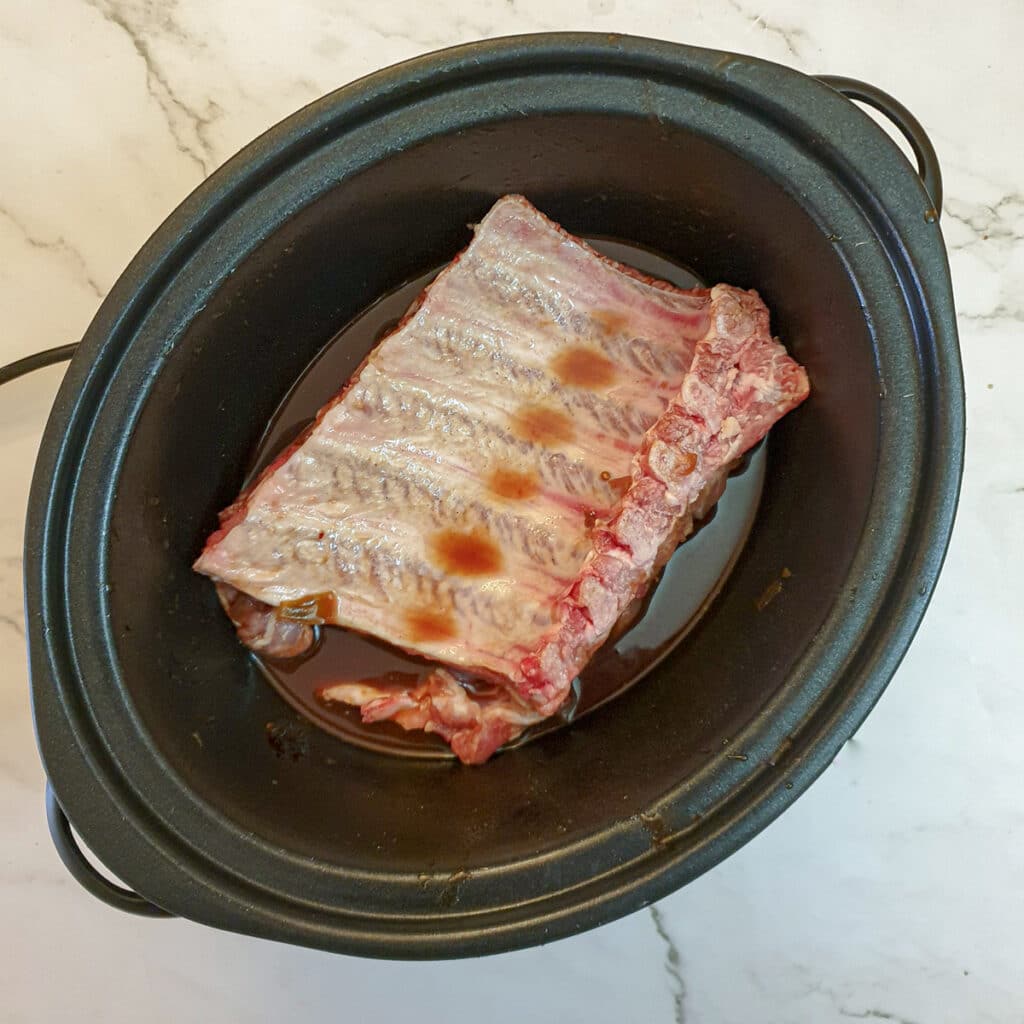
(185, 231)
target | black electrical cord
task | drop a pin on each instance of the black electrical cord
(36, 361)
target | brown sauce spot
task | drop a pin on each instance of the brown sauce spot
(589, 518)
(541, 425)
(769, 594)
(428, 626)
(605, 475)
(582, 367)
(288, 739)
(465, 554)
(314, 609)
(654, 825)
(507, 483)
(610, 321)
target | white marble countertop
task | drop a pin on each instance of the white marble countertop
(894, 890)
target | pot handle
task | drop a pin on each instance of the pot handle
(909, 126)
(60, 828)
(84, 873)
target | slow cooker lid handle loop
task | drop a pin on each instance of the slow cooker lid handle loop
(909, 126)
(84, 873)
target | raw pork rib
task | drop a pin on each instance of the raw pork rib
(505, 473)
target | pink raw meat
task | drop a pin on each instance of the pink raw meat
(503, 476)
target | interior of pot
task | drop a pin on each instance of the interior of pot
(200, 696)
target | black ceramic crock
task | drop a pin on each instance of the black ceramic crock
(743, 170)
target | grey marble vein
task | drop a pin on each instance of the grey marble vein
(673, 965)
(876, 1015)
(173, 107)
(1000, 313)
(11, 622)
(1002, 221)
(789, 35)
(411, 31)
(59, 246)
